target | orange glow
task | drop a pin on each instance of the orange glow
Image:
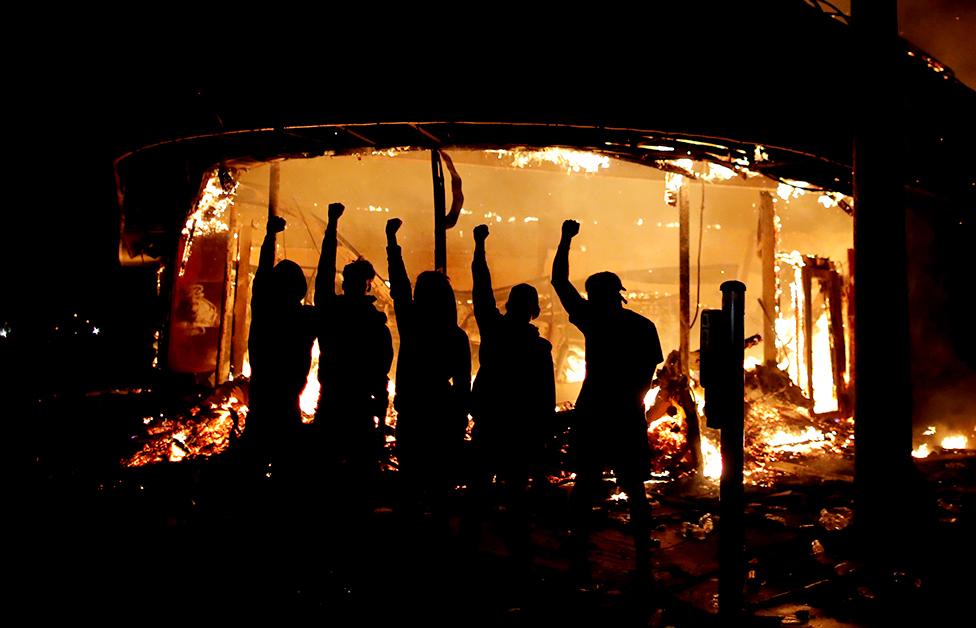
(955, 442)
(309, 399)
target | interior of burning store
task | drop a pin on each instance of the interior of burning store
(673, 230)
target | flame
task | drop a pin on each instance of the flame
(203, 430)
(571, 160)
(922, 451)
(955, 442)
(575, 369)
(208, 217)
(309, 399)
(650, 398)
(802, 442)
(672, 185)
(824, 393)
(712, 458)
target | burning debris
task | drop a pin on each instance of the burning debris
(205, 429)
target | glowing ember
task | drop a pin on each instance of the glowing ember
(309, 399)
(202, 431)
(804, 442)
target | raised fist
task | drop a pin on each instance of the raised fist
(480, 233)
(276, 224)
(335, 210)
(570, 228)
(392, 226)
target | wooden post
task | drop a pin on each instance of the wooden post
(883, 465)
(227, 307)
(684, 277)
(243, 296)
(440, 213)
(807, 277)
(767, 236)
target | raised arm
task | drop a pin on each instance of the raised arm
(399, 282)
(276, 224)
(568, 295)
(485, 308)
(325, 275)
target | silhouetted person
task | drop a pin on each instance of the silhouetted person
(433, 379)
(514, 394)
(622, 351)
(279, 349)
(355, 355)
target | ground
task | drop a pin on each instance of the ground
(188, 543)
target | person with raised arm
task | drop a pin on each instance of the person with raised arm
(433, 381)
(513, 398)
(622, 352)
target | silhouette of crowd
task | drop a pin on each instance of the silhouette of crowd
(511, 402)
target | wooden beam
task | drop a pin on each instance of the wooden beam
(684, 277)
(440, 213)
(767, 238)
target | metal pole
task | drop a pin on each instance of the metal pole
(731, 496)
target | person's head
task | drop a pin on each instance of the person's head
(603, 290)
(289, 281)
(356, 278)
(434, 299)
(523, 303)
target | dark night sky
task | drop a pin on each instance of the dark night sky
(60, 252)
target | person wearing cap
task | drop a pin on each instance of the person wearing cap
(622, 353)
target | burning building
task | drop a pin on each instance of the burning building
(675, 198)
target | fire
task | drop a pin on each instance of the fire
(650, 398)
(712, 457)
(824, 394)
(208, 217)
(672, 185)
(803, 442)
(575, 369)
(922, 451)
(204, 430)
(955, 442)
(571, 160)
(309, 399)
